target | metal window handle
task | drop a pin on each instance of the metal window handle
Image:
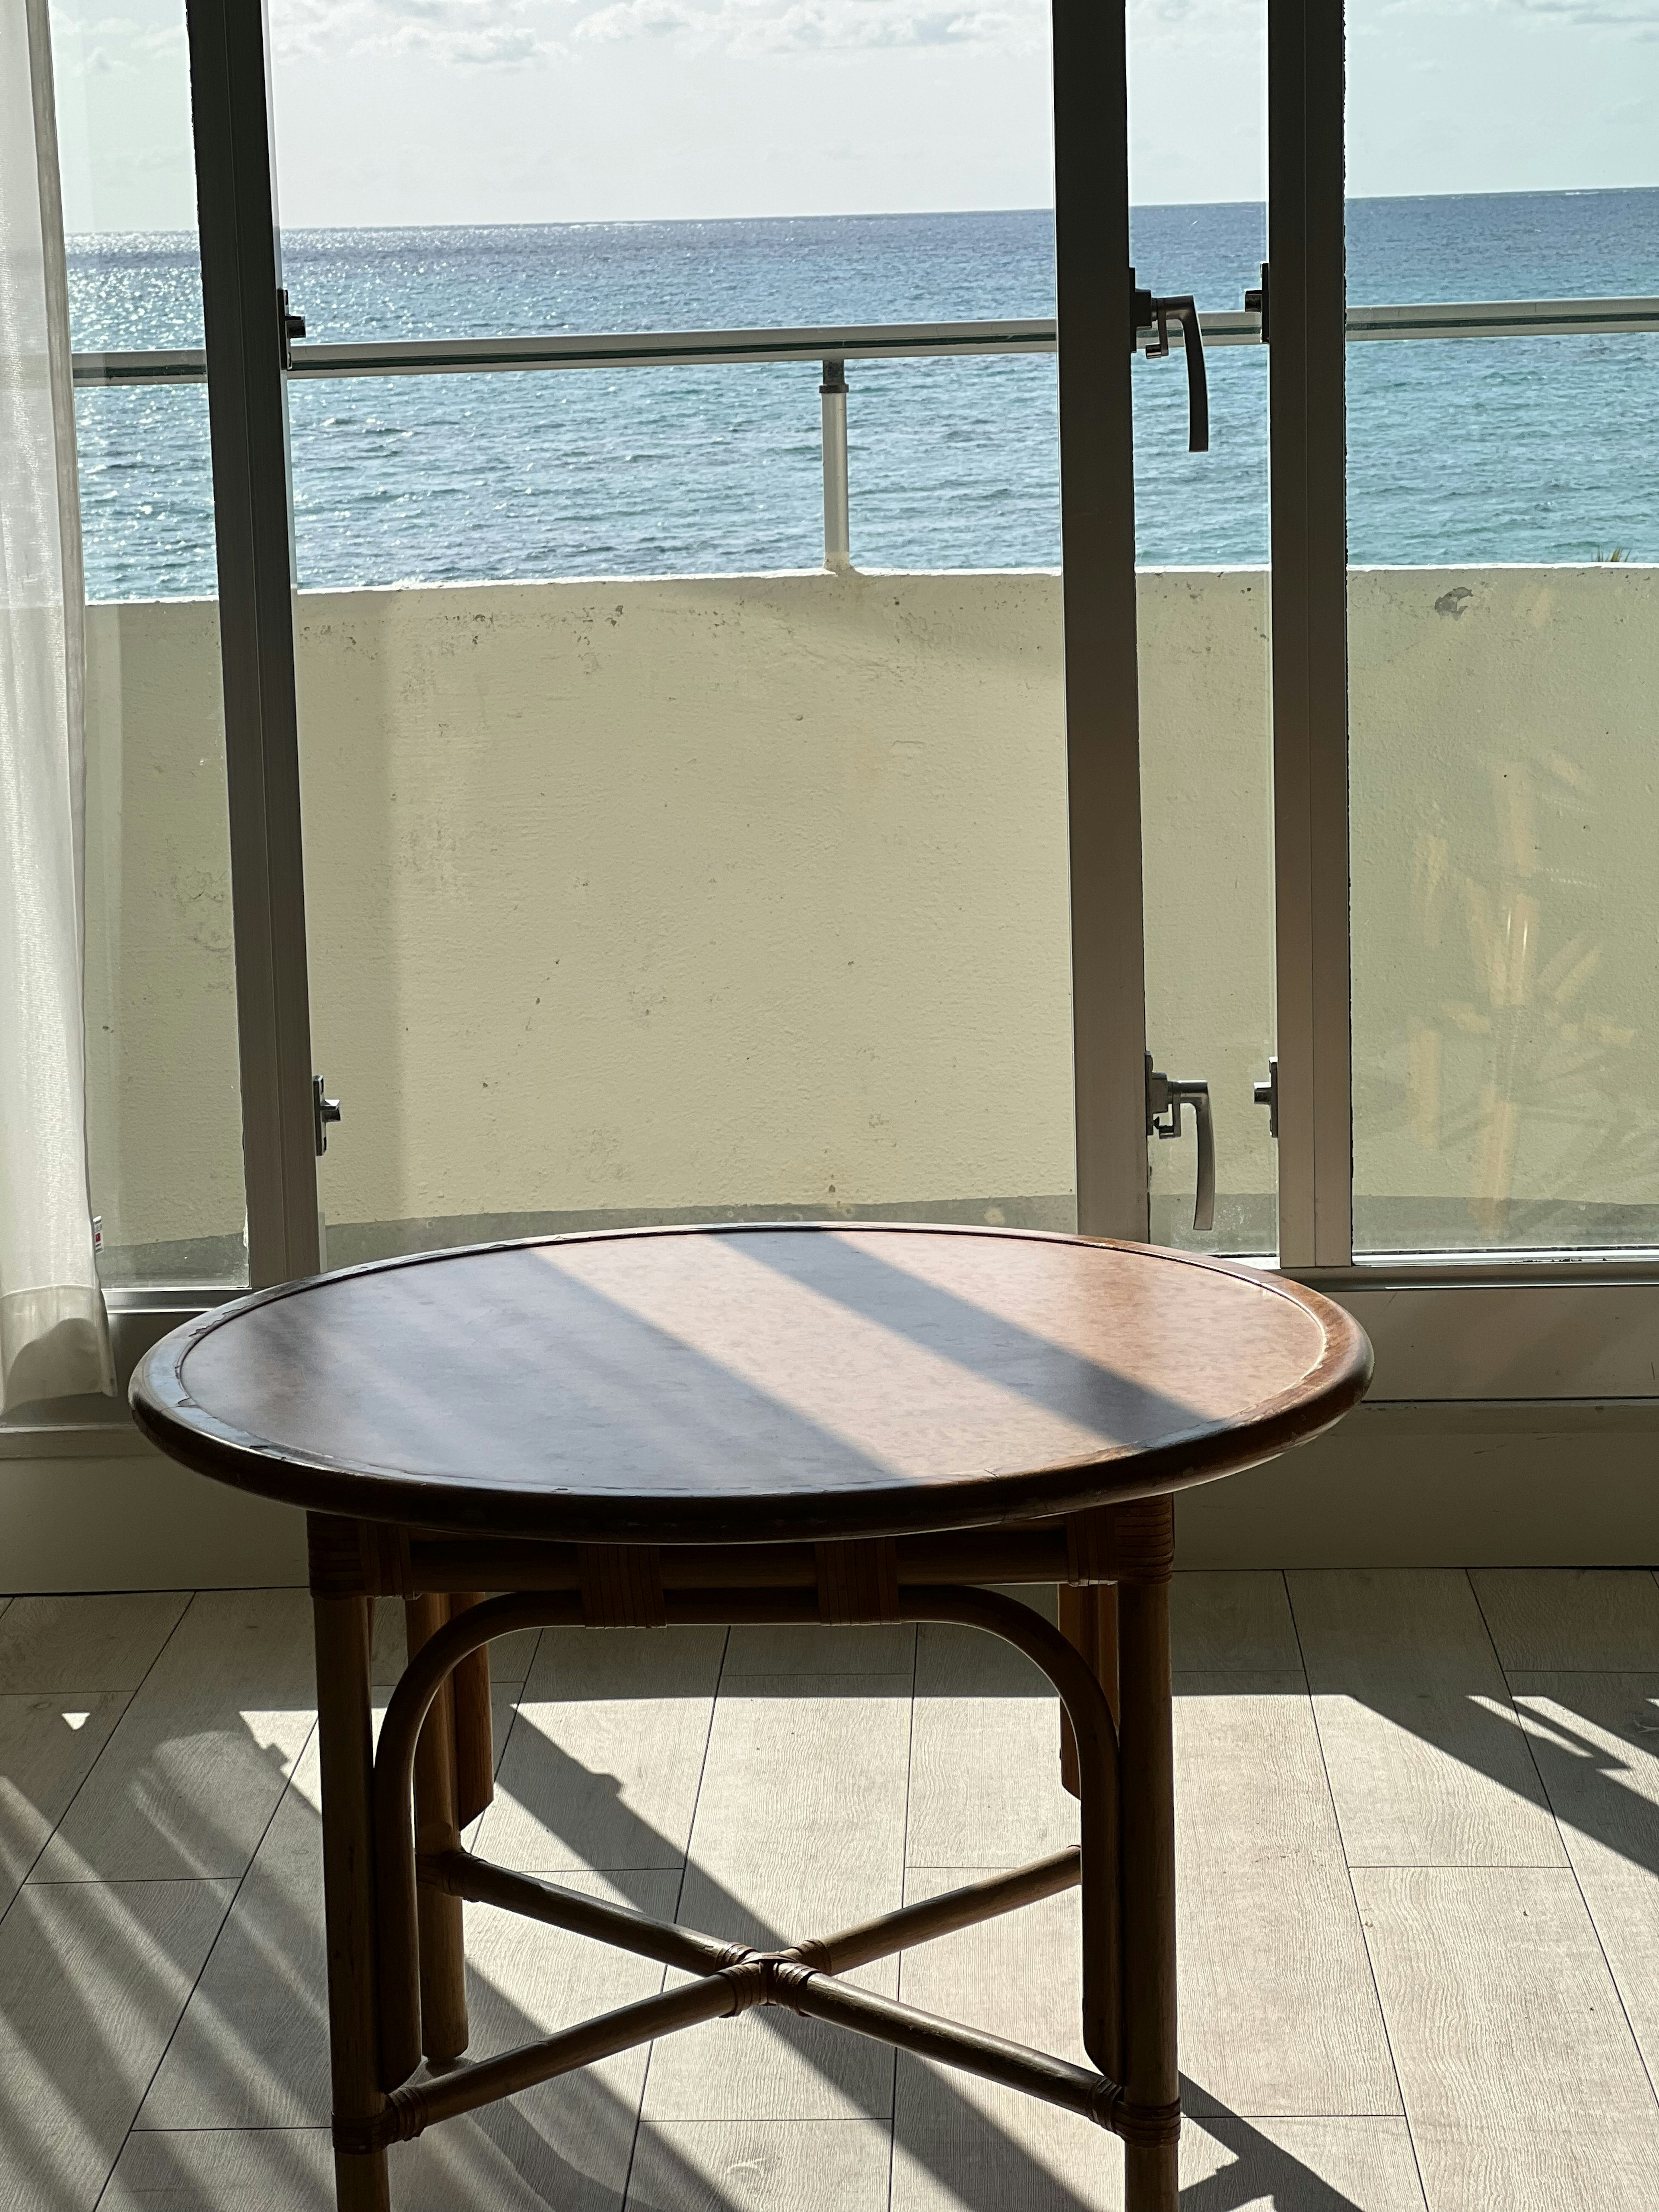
(1148, 311)
(1266, 1094)
(1182, 308)
(289, 326)
(323, 1111)
(1256, 301)
(1165, 1097)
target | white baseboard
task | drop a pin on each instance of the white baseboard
(131, 1519)
(1542, 1483)
(1564, 1483)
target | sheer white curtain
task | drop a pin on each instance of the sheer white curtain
(54, 1337)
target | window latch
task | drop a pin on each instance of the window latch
(323, 1111)
(1266, 1094)
(1152, 314)
(1165, 1097)
(1255, 302)
(289, 327)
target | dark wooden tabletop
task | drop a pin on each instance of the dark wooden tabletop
(751, 1384)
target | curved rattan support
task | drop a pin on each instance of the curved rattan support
(1091, 1716)
(398, 1949)
(399, 1954)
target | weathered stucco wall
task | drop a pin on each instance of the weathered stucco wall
(730, 893)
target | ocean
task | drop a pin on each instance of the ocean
(1461, 451)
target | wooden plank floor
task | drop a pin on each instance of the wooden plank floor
(1418, 1834)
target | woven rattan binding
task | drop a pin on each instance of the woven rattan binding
(356, 1559)
(1132, 1543)
(857, 1581)
(620, 1585)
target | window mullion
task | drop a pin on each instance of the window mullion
(1309, 462)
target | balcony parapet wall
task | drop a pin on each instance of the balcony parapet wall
(742, 894)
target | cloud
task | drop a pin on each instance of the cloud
(519, 33)
(499, 48)
(641, 19)
(113, 42)
(475, 34)
(1641, 16)
(747, 28)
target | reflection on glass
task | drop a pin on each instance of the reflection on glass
(164, 1106)
(1506, 1032)
(1202, 532)
(1206, 752)
(691, 898)
(163, 1103)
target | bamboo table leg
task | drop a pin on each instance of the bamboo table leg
(342, 1627)
(437, 1828)
(475, 1732)
(1151, 2079)
(1088, 1619)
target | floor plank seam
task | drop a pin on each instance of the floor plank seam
(224, 1923)
(148, 1880)
(1520, 1723)
(104, 1747)
(1572, 1867)
(1220, 2118)
(1457, 1866)
(1353, 1895)
(518, 1690)
(702, 1776)
(219, 2128)
(904, 1898)
(679, 1904)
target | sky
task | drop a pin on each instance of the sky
(578, 111)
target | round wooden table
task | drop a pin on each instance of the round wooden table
(751, 1424)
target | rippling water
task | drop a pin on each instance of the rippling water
(1461, 451)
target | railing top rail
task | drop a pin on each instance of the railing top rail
(868, 341)
(605, 350)
(1505, 318)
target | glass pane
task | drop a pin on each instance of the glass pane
(648, 471)
(1199, 226)
(636, 901)
(1503, 530)
(163, 1099)
(653, 870)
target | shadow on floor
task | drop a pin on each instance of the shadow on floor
(97, 1988)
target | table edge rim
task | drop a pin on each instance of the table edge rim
(219, 1450)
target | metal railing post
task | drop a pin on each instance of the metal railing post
(837, 524)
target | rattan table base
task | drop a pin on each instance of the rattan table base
(396, 1876)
